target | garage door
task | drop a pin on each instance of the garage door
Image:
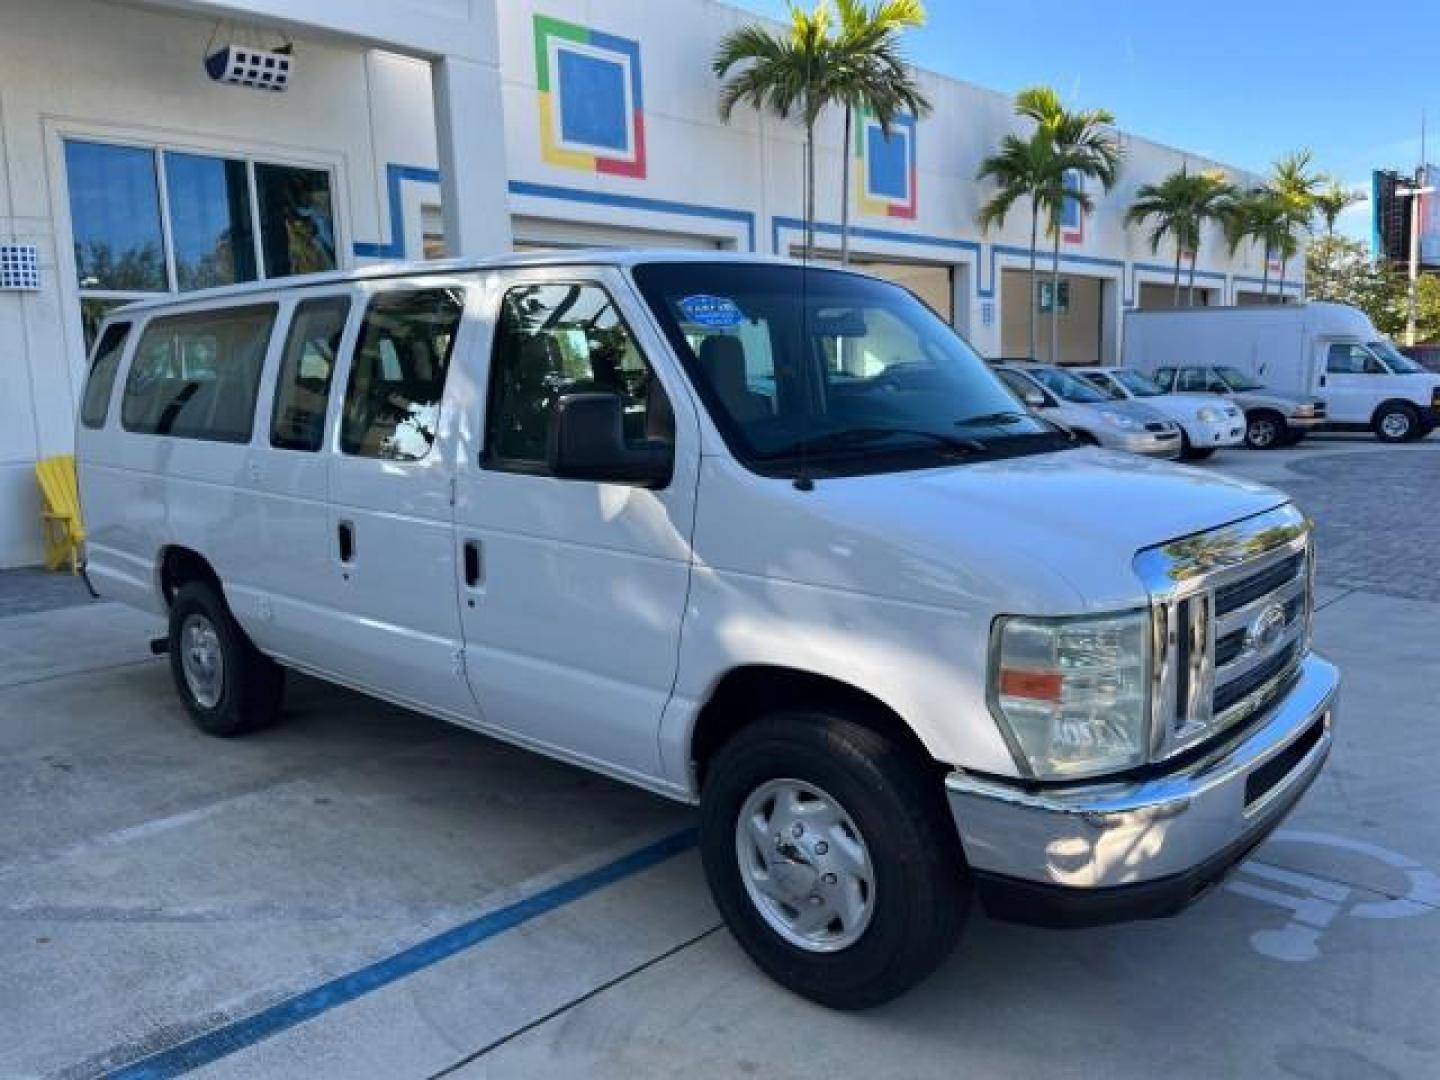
(932, 282)
(1081, 304)
(545, 234)
(1155, 295)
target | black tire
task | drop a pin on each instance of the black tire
(922, 890)
(1190, 452)
(251, 686)
(1265, 430)
(1397, 422)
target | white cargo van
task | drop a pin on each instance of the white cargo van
(769, 540)
(1331, 351)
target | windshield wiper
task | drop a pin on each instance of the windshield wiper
(853, 438)
(1006, 417)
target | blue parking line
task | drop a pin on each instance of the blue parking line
(226, 1040)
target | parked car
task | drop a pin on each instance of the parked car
(1092, 415)
(904, 643)
(1272, 418)
(1205, 424)
(1317, 350)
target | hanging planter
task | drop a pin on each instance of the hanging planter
(255, 66)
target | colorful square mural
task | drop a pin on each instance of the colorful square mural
(1072, 216)
(592, 107)
(886, 177)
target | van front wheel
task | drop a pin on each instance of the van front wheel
(832, 858)
(1397, 423)
(228, 686)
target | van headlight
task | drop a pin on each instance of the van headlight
(1119, 420)
(1072, 695)
(1208, 416)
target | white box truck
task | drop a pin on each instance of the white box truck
(1331, 351)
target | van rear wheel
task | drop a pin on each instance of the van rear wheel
(832, 857)
(228, 686)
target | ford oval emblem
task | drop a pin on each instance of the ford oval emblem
(1266, 629)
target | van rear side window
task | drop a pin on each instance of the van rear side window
(195, 376)
(303, 387)
(392, 405)
(96, 403)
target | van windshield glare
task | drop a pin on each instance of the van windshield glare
(1394, 359)
(844, 372)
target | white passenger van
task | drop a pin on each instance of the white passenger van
(1324, 350)
(771, 540)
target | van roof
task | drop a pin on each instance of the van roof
(382, 271)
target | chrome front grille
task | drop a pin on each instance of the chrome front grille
(1231, 615)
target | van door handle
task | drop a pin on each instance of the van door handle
(474, 567)
(346, 532)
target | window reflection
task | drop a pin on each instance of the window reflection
(115, 217)
(297, 224)
(209, 220)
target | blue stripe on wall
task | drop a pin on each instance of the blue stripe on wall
(395, 175)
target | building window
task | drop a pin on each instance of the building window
(149, 220)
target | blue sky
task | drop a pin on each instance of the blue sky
(1239, 81)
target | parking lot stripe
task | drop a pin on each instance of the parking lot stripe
(230, 1038)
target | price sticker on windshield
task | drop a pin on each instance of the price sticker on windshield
(714, 312)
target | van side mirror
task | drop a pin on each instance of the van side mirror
(587, 442)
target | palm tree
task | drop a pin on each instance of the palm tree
(1181, 205)
(1262, 214)
(784, 73)
(1333, 200)
(1296, 184)
(1023, 168)
(871, 75)
(1087, 149)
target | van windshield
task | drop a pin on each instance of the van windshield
(832, 371)
(1394, 359)
(1237, 380)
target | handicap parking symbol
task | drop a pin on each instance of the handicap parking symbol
(1315, 903)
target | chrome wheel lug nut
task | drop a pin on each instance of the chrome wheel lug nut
(816, 900)
(829, 879)
(797, 830)
(821, 848)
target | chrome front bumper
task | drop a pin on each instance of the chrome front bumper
(1146, 847)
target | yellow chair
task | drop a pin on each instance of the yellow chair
(64, 532)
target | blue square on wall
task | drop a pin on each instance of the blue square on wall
(889, 163)
(592, 102)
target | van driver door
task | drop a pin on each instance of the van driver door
(572, 591)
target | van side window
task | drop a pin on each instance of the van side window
(564, 339)
(1164, 378)
(96, 402)
(1352, 360)
(195, 376)
(392, 405)
(302, 388)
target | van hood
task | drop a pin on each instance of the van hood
(1054, 532)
